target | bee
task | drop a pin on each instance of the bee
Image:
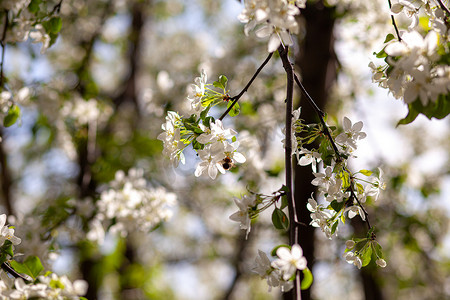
(227, 163)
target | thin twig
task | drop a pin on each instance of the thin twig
(56, 8)
(320, 114)
(393, 22)
(8, 269)
(237, 97)
(2, 43)
(352, 193)
(293, 230)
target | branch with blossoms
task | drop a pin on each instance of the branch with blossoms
(24, 20)
(343, 191)
(416, 67)
(27, 279)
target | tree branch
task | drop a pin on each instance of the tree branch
(2, 43)
(6, 181)
(8, 269)
(293, 228)
(237, 97)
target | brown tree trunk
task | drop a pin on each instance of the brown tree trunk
(316, 63)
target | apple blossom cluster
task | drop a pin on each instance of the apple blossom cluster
(84, 112)
(280, 272)
(273, 19)
(417, 63)
(250, 206)
(359, 251)
(343, 191)
(26, 282)
(30, 20)
(50, 286)
(216, 146)
(129, 205)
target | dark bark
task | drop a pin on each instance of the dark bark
(128, 92)
(316, 63)
(6, 180)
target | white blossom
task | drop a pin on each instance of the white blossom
(7, 233)
(196, 93)
(132, 204)
(242, 215)
(352, 133)
(289, 261)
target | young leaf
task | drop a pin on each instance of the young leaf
(366, 172)
(218, 85)
(12, 116)
(360, 188)
(6, 251)
(284, 202)
(33, 7)
(389, 37)
(32, 266)
(223, 80)
(307, 279)
(337, 206)
(55, 25)
(366, 255)
(377, 249)
(334, 227)
(279, 219)
(235, 110)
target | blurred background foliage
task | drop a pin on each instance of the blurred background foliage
(136, 59)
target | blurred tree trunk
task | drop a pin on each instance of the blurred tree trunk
(316, 63)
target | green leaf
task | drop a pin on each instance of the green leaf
(334, 227)
(366, 255)
(360, 188)
(377, 249)
(279, 219)
(345, 177)
(6, 251)
(223, 80)
(337, 206)
(284, 202)
(360, 244)
(218, 85)
(366, 172)
(307, 279)
(274, 250)
(438, 109)
(389, 37)
(55, 25)
(32, 266)
(12, 116)
(204, 113)
(411, 116)
(235, 110)
(208, 121)
(196, 145)
(33, 7)
(380, 54)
